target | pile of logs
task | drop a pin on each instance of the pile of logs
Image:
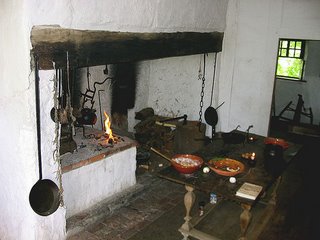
(150, 132)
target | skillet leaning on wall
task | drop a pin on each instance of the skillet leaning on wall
(44, 197)
(210, 114)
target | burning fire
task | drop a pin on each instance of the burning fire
(107, 125)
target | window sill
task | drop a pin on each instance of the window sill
(291, 80)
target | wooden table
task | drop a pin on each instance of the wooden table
(220, 185)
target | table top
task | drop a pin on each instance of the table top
(214, 183)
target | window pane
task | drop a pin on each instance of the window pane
(290, 67)
(298, 45)
(297, 53)
(283, 52)
(292, 44)
(291, 53)
(284, 44)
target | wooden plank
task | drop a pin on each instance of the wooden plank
(92, 48)
(198, 234)
(305, 130)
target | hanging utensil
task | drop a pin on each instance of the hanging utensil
(210, 114)
(60, 107)
(160, 154)
(44, 196)
(184, 117)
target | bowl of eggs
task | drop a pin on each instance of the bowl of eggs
(186, 163)
(183, 163)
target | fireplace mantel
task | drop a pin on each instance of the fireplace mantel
(92, 48)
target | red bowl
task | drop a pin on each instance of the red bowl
(276, 141)
(226, 167)
(186, 163)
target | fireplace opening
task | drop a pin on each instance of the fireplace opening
(88, 95)
(89, 108)
(96, 160)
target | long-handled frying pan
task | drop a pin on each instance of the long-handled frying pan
(211, 115)
(44, 196)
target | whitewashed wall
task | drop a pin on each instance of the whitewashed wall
(249, 55)
(18, 155)
(175, 88)
(86, 186)
(312, 76)
(131, 15)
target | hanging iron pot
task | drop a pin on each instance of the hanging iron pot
(88, 117)
(44, 197)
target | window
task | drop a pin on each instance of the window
(290, 63)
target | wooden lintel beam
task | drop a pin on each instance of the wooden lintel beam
(92, 48)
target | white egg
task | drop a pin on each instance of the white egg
(206, 169)
(232, 179)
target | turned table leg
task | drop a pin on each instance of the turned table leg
(245, 218)
(273, 199)
(189, 199)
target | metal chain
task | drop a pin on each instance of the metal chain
(202, 77)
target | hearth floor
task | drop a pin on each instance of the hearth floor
(155, 210)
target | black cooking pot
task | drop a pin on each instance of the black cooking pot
(88, 117)
(233, 138)
(273, 159)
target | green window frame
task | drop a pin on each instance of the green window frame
(290, 61)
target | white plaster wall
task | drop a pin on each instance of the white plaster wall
(174, 86)
(18, 155)
(88, 185)
(131, 15)
(249, 55)
(54, 225)
(312, 74)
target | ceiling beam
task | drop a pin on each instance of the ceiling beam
(92, 48)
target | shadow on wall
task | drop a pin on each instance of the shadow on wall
(123, 92)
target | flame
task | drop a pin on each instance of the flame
(107, 125)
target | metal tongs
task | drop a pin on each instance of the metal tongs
(163, 122)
